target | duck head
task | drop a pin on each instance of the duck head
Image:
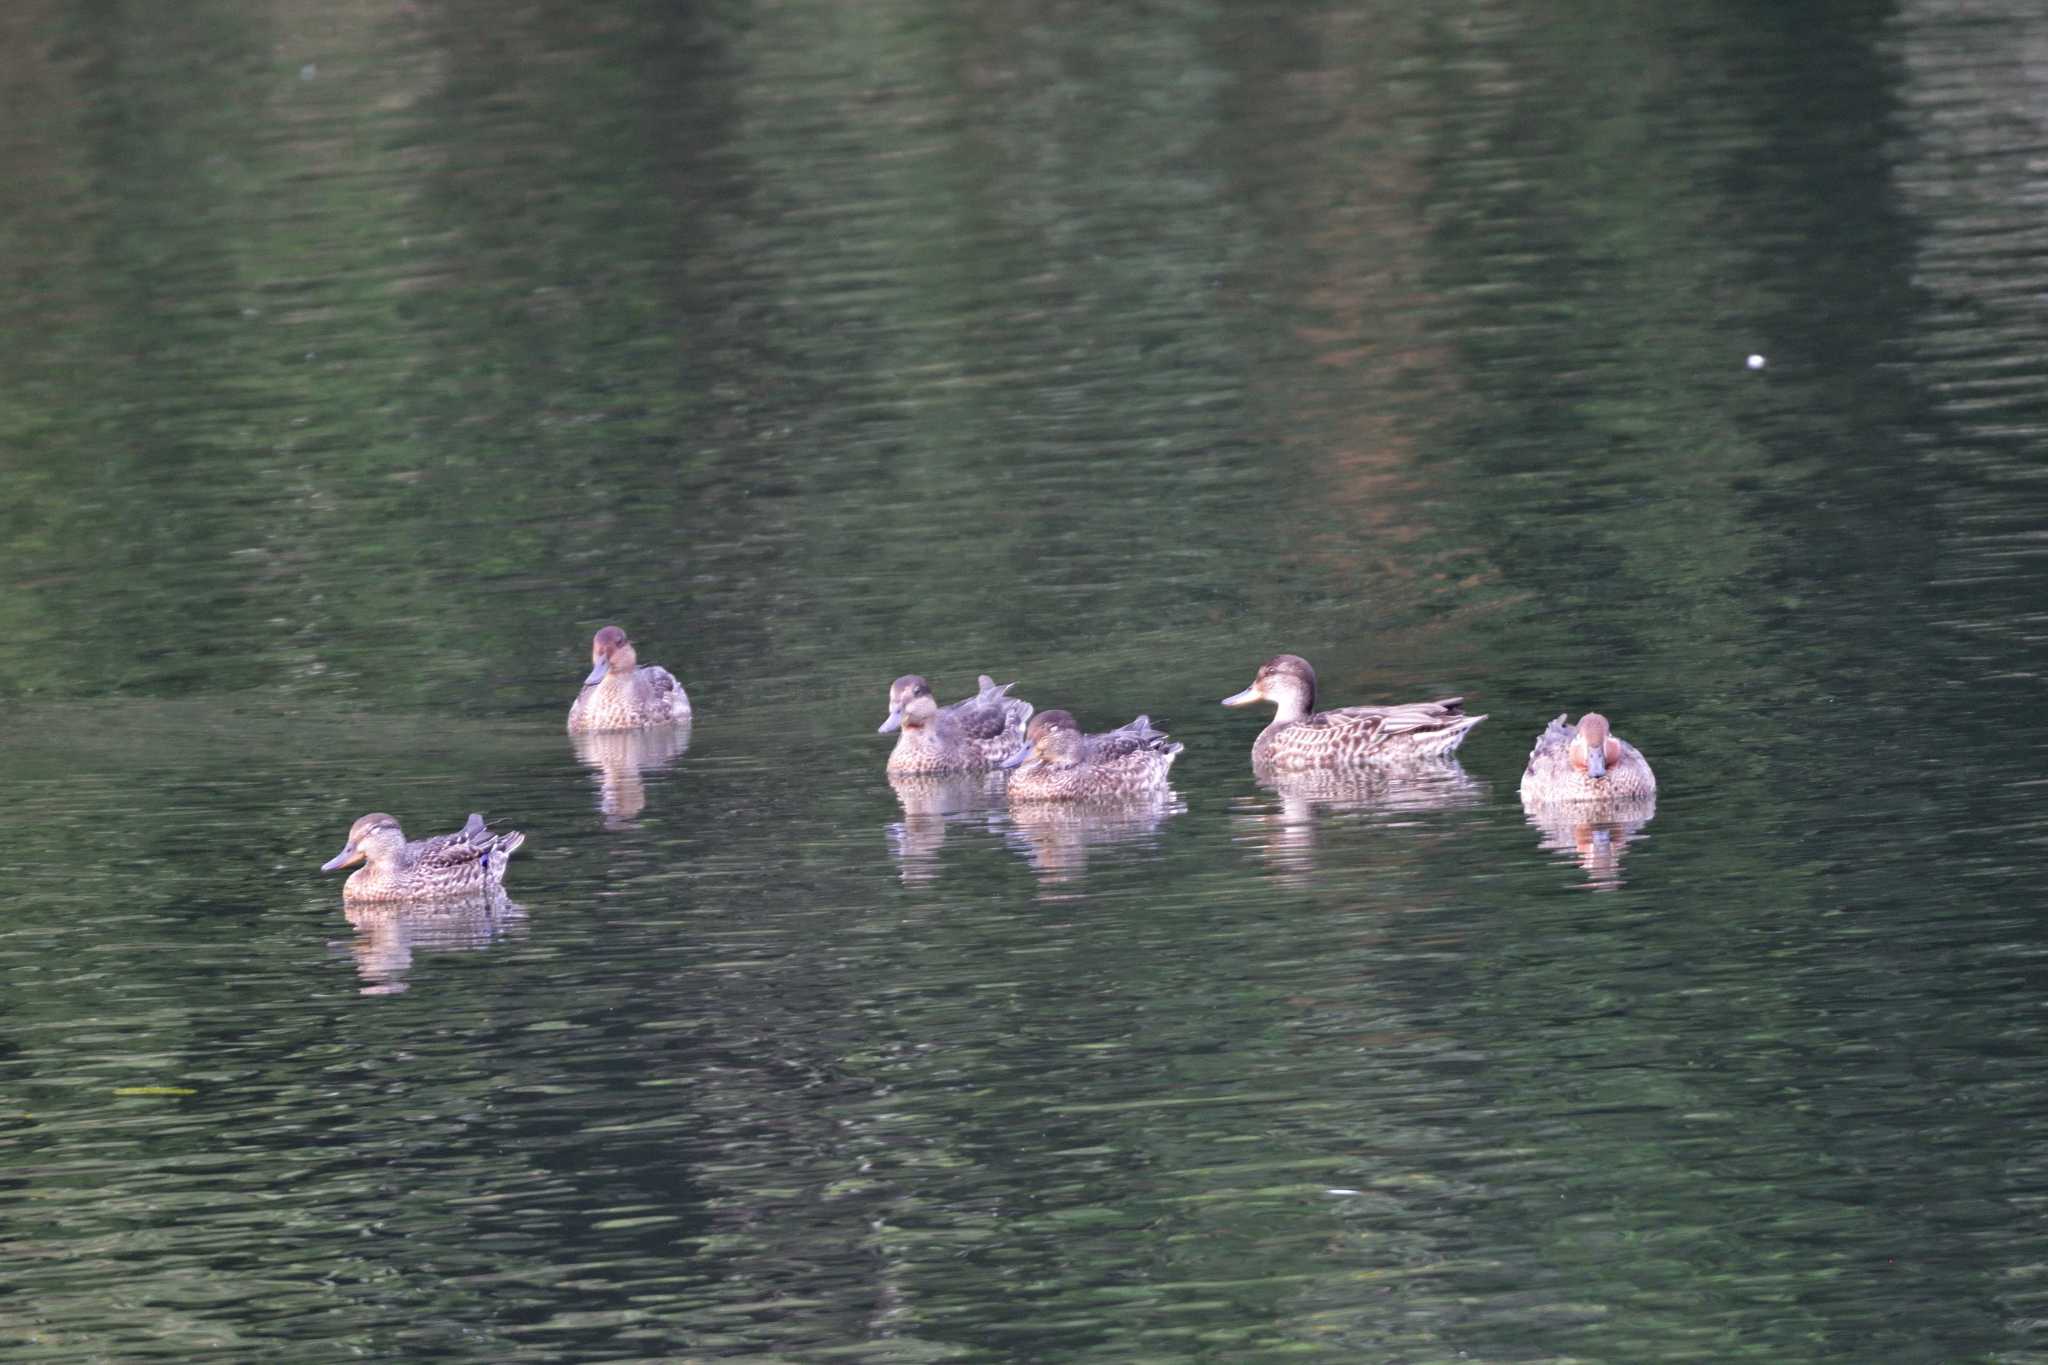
(611, 652)
(910, 703)
(1285, 680)
(1594, 749)
(1052, 737)
(375, 837)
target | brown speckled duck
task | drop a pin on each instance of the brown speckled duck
(466, 863)
(1059, 763)
(1587, 763)
(1302, 738)
(970, 736)
(620, 694)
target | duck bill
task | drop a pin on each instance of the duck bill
(1596, 761)
(895, 719)
(597, 672)
(1015, 760)
(342, 859)
(1244, 698)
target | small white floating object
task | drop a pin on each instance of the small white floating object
(1756, 362)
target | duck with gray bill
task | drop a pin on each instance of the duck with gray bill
(1301, 738)
(1586, 763)
(1059, 763)
(623, 694)
(469, 862)
(970, 736)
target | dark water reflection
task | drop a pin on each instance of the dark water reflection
(1058, 837)
(355, 358)
(1287, 830)
(931, 804)
(623, 761)
(1594, 838)
(389, 936)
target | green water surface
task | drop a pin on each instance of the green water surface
(359, 359)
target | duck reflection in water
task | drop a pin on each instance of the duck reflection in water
(1594, 836)
(1288, 835)
(388, 934)
(622, 759)
(1055, 836)
(931, 801)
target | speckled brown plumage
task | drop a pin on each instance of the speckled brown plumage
(467, 863)
(1059, 763)
(1585, 764)
(622, 694)
(970, 736)
(1301, 738)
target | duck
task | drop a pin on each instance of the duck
(970, 736)
(1587, 763)
(1059, 763)
(621, 693)
(1301, 738)
(469, 862)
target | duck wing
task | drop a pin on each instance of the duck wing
(1410, 717)
(661, 683)
(1363, 729)
(1136, 738)
(1551, 745)
(991, 712)
(472, 843)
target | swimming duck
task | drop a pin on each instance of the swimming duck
(469, 862)
(621, 695)
(1301, 737)
(1059, 763)
(969, 736)
(1586, 763)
